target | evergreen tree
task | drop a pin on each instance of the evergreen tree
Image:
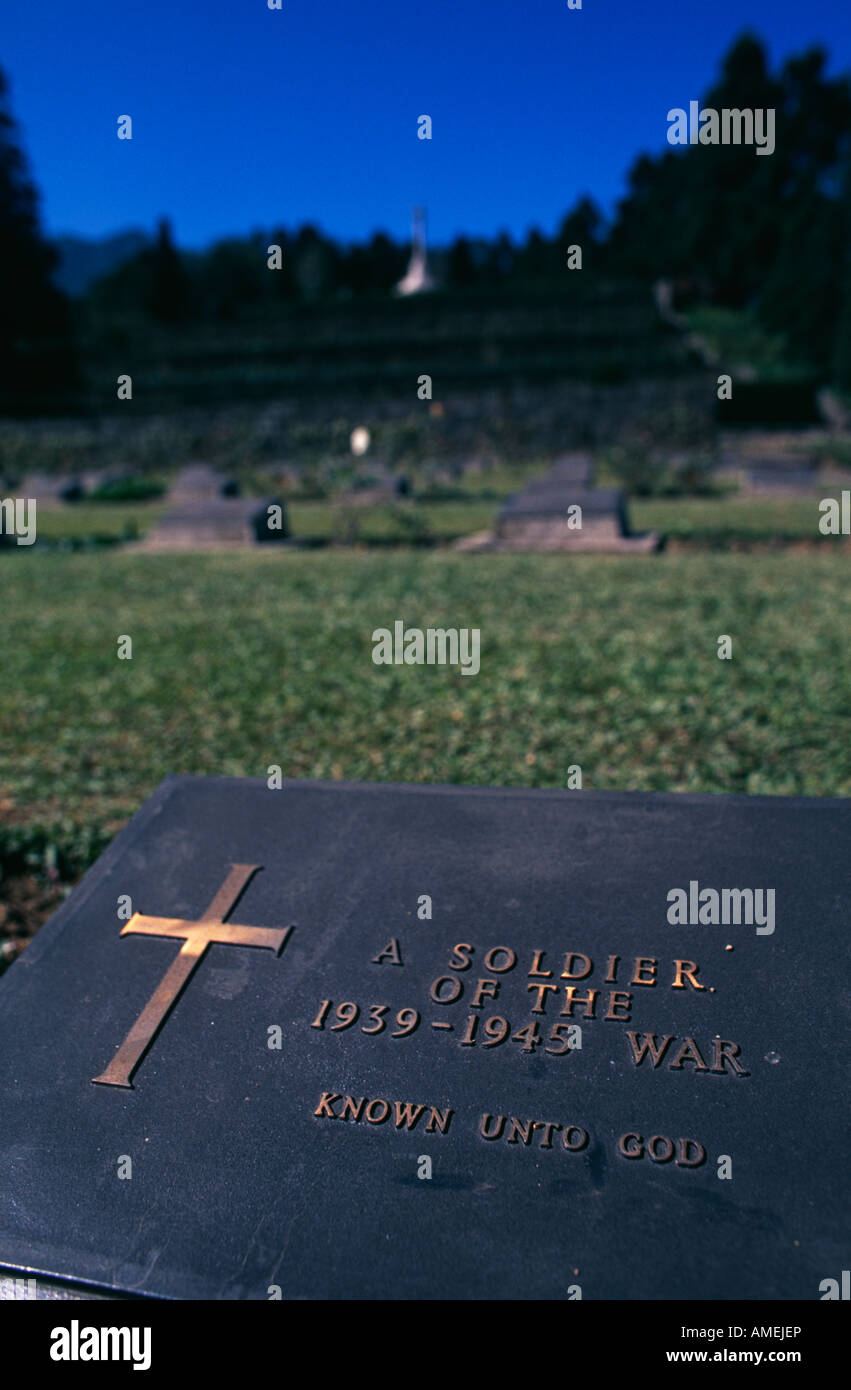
(842, 346)
(36, 354)
(502, 259)
(539, 258)
(761, 231)
(583, 226)
(316, 263)
(168, 297)
(373, 268)
(460, 264)
(232, 277)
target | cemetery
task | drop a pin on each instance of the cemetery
(388, 625)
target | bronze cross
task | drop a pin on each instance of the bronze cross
(196, 937)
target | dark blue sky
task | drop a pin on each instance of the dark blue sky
(244, 117)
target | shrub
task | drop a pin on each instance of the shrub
(128, 489)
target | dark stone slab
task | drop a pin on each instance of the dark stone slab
(789, 463)
(52, 487)
(261, 520)
(795, 480)
(244, 1179)
(539, 518)
(218, 521)
(44, 487)
(546, 500)
(793, 474)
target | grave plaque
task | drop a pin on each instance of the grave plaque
(397, 1042)
(219, 523)
(554, 514)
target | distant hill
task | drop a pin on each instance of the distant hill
(83, 260)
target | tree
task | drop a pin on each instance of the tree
(461, 267)
(502, 259)
(539, 259)
(233, 276)
(842, 347)
(153, 284)
(168, 298)
(37, 369)
(374, 267)
(316, 263)
(583, 226)
(800, 298)
(762, 231)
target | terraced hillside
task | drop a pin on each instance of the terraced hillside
(594, 331)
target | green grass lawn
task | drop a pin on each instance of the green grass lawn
(321, 521)
(113, 521)
(721, 521)
(705, 522)
(401, 523)
(245, 660)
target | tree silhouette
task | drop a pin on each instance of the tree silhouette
(169, 292)
(763, 232)
(842, 347)
(36, 356)
(582, 226)
(461, 266)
